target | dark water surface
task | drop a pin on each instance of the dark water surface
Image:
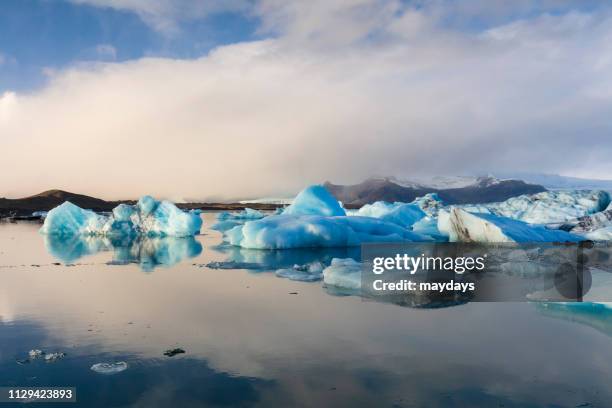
(251, 341)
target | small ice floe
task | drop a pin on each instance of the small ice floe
(35, 353)
(173, 352)
(32, 355)
(109, 368)
(303, 273)
(343, 273)
(53, 357)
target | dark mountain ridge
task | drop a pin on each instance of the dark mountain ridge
(47, 200)
(485, 190)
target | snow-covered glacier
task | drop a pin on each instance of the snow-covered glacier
(463, 226)
(149, 217)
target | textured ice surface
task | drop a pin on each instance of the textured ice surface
(246, 214)
(474, 227)
(69, 219)
(592, 222)
(148, 217)
(315, 200)
(304, 273)
(308, 231)
(600, 234)
(430, 204)
(343, 273)
(109, 368)
(550, 206)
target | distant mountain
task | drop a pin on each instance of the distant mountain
(478, 190)
(45, 201)
(556, 182)
(52, 198)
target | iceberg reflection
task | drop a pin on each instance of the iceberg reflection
(148, 252)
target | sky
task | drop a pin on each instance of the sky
(231, 99)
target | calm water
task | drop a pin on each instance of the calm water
(251, 341)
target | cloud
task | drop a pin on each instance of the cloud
(165, 16)
(384, 89)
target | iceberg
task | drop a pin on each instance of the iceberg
(311, 231)
(246, 214)
(315, 200)
(69, 219)
(551, 206)
(477, 227)
(148, 217)
(343, 273)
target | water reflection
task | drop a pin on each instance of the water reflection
(260, 260)
(147, 252)
(595, 315)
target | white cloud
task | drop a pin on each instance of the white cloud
(379, 92)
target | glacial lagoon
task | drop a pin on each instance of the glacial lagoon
(254, 339)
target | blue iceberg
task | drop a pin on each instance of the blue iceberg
(315, 200)
(148, 217)
(246, 214)
(311, 231)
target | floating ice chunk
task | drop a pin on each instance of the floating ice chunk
(53, 357)
(474, 227)
(315, 200)
(304, 273)
(69, 219)
(343, 273)
(168, 219)
(310, 231)
(109, 368)
(148, 217)
(246, 214)
(226, 225)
